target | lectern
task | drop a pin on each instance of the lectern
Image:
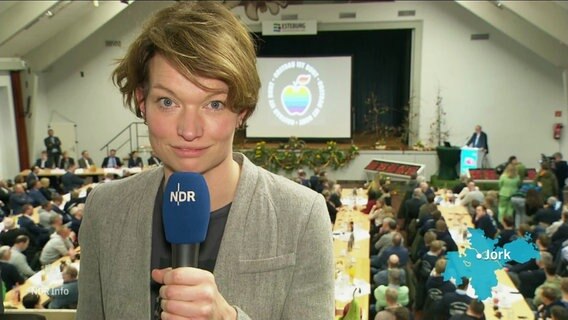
(471, 158)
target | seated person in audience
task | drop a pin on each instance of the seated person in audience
(37, 197)
(428, 260)
(558, 313)
(10, 232)
(335, 197)
(475, 311)
(70, 180)
(454, 303)
(564, 291)
(45, 190)
(77, 217)
(385, 315)
(381, 278)
(32, 301)
(45, 214)
(491, 203)
(471, 194)
(551, 230)
(43, 162)
(484, 222)
(38, 234)
(443, 234)
(507, 234)
(331, 209)
(399, 311)
(57, 204)
(436, 278)
(32, 177)
(435, 288)
(4, 198)
(424, 245)
(533, 202)
(426, 190)
(397, 248)
(372, 197)
(67, 295)
(427, 208)
(394, 283)
(552, 281)
(111, 161)
(550, 298)
(376, 214)
(55, 222)
(85, 161)
(65, 161)
(386, 234)
(548, 215)
(458, 188)
(18, 259)
(429, 222)
(134, 160)
(155, 161)
(19, 198)
(9, 274)
(59, 245)
(386, 196)
(410, 210)
(529, 280)
(74, 199)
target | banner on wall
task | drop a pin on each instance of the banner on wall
(292, 27)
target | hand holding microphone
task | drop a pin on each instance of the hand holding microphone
(188, 292)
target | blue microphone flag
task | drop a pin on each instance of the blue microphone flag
(186, 208)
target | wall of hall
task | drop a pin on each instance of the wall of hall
(497, 83)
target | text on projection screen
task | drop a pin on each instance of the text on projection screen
(303, 97)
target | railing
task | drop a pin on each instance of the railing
(130, 136)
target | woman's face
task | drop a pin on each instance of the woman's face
(190, 129)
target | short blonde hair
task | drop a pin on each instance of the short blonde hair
(200, 39)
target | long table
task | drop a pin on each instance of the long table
(40, 283)
(458, 220)
(352, 268)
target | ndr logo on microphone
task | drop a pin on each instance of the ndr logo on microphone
(182, 195)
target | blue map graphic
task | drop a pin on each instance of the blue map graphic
(483, 257)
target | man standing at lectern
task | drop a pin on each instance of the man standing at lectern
(479, 140)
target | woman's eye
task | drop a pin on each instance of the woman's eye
(166, 102)
(216, 105)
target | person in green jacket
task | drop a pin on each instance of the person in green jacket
(509, 183)
(546, 180)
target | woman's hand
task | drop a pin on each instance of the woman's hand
(191, 293)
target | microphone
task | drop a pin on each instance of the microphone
(186, 211)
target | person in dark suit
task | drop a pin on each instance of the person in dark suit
(19, 198)
(38, 198)
(479, 140)
(154, 160)
(70, 180)
(112, 161)
(52, 146)
(134, 160)
(32, 177)
(44, 162)
(38, 234)
(65, 161)
(9, 273)
(561, 172)
(10, 233)
(85, 161)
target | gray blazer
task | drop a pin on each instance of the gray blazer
(275, 259)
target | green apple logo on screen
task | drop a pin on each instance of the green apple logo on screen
(296, 98)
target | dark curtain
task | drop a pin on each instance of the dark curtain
(381, 65)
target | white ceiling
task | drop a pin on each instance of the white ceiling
(41, 35)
